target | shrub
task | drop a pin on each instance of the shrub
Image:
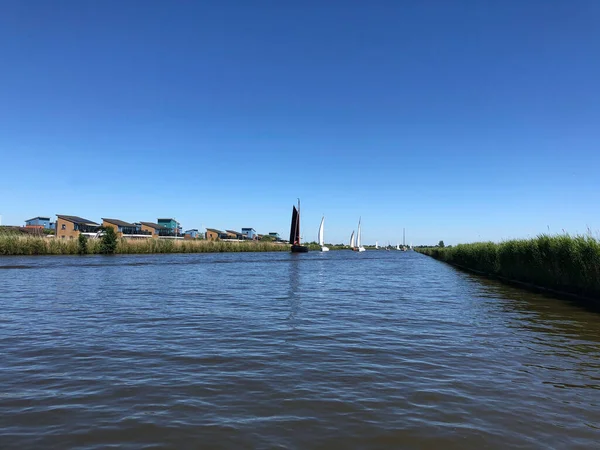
(108, 241)
(82, 244)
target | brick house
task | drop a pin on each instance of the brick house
(153, 228)
(125, 229)
(70, 227)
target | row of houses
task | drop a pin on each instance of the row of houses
(212, 234)
(70, 227)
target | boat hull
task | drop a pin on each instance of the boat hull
(324, 249)
(299, 249)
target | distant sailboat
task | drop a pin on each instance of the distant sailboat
(295, 231)
(321, 241)
(352, 241)
(359, 247)
(376, 246)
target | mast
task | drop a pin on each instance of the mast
(358, 240)
(298, 224)
(403, 237)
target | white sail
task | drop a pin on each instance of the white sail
(321, 243)
(321, 239)
(376, 245)
(358, 239)
(352, 240)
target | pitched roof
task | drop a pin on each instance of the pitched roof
(41, 218)
(153, 225)
(234, 232)
(78, 220)
(214, 230)
(118, 222)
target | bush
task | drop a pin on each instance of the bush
(109, 241)
(82, 244)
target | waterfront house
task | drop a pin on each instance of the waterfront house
(192, 234)
(72, 226)
(275, 235)
(173, 228)
(234, 234)
(125, 229)
(153, 228)
(249, 233)
(212, 234)
(40, 222)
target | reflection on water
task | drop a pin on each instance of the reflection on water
(294, 293)
(332, 350)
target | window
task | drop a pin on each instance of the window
(63, 227)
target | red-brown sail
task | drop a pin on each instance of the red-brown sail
(295, 231)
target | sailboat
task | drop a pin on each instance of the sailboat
(359, 247)
(295, 231)
(398, 246)
(376, 246)
(352, 246)
(321, 241)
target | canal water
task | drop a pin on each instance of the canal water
(381, 349)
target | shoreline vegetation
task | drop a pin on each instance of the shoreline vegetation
(563, 264)
(17, 244)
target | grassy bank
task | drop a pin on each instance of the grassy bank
(13, 244)
(561, 263)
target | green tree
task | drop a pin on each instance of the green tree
(441, 244)
(108, 245)
(82, 244)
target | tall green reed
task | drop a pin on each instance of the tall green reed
(564, 263)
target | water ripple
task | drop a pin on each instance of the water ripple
(337, 350)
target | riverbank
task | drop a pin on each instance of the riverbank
(11, 244)
(563, 264)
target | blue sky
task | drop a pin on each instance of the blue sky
(459, 121)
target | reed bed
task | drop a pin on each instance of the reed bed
(16, 244)
(563, 263)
